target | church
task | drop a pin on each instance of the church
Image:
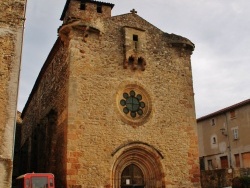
(113, 105)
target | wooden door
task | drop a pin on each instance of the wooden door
(132, 176)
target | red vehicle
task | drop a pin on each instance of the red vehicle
(36, 180)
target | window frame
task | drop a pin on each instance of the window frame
(213, 122)
(210, 164)
(214, 140)
(235, 133)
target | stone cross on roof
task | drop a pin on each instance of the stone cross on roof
(133, 11)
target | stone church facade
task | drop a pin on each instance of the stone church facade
(113, 105)
(11, 34)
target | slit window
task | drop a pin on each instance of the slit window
(214, 140)
(213, 122)
(99, 8)
(135, 38)
(83, 6)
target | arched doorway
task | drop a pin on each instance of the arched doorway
(137, 165)
(132, 176)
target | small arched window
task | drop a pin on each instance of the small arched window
(99, 8)
(83, 6)
(214, 140)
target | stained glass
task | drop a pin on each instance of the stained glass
(132, 103)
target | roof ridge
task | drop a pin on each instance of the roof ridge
(223, 110)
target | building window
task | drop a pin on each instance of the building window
(235, 134)
(99, 8)
(214, 140)
(232, 114)
(210, 164)
(213, 122)
(134, 104)
(136, 40)
(237, 160)
(83, 6)
(202, 163)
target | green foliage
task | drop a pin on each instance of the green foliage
(241, 182)
(245, 181)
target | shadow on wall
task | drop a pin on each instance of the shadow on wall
(241, 182)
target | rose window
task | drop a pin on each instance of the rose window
(132, 104)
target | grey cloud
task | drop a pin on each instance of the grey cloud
(219, 29)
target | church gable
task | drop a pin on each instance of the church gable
(127, 96)
(141, 37)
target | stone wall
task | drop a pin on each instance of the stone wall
(216, 178)
(11, 33)
(98, 77)
(94, 140)
(45, 117)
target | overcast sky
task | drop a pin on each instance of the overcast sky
(220, 30)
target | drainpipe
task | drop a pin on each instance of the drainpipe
(228, 143)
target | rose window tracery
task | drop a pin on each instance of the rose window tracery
(132, 104)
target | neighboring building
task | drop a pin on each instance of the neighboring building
(11, 35)
(224, 138)
(113, 105)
